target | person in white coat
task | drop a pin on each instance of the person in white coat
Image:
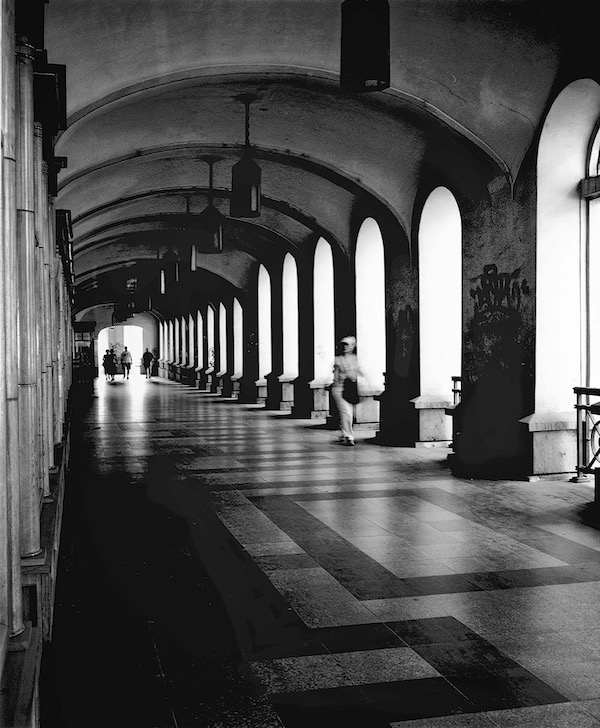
(345, 376)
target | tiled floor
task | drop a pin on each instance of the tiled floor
(226, 566)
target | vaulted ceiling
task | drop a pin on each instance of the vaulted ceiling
(152, 87)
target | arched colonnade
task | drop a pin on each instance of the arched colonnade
(267, 346)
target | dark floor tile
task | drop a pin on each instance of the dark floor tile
(492, 580)
(333, 708)
(433, 630)
(414, 699)
(562, 548)
(443, 584)
(358, 637)
(285, 561)
(518, 688)
(469, 657)
(361, 575)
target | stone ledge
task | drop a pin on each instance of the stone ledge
(432, 401)
(550, 421)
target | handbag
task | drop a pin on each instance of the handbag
(350, 391)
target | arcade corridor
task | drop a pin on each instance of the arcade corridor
(226, 565)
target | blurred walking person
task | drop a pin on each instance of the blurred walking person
(344, 388)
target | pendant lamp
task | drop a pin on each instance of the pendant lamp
(209, 223)
(169, 271)
(245, 175)
(365, 46)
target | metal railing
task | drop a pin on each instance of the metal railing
(456, 389)
(588, 430)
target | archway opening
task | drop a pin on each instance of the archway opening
(222, 340)
(440, 293)
(264, 323)
(565, 345)
(370, 306)
(191, 342)
(119, 337)
(238, 339)
(184, 341)
(200, 341)
(592, 283)
(290, 318)
(324, 314)
(210, 338)
(561, 342)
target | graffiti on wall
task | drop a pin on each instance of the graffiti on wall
(498, 293)
(495, 335)
(404, 340)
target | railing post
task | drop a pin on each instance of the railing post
(585, 456)
(580, 431)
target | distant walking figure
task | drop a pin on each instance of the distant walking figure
(126, 361)
(147, 358)
(106, 364)
(113, 364)
(343, 389)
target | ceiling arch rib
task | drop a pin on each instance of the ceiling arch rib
(257, 243)
(304, 203)
(289, 126)
(110, 44)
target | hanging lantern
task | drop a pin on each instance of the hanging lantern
(246, 174)
(365, 46)
(169, 274)
(209, 223)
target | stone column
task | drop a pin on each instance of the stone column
(55, 325)
(41, 204)
(303, 395)
(274, 389)
(60, 315)
(27, 320)
(48, 320)
(11, 591)
(227, 367)
(248, 389)
(214, 375)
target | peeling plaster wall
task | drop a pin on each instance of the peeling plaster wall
(498, 319)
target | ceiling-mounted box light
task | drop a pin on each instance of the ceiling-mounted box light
(365, 45)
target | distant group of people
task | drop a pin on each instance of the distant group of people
(110, 363)
(343, 390)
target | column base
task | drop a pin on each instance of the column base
(320, 403)
(366, 413)
(286, 401)
(21, 641)
(262, 391)
(235, 388)
(225, 385)
(554, 443)
(434, 425)
(248, 390)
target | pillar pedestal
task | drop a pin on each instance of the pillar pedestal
(235, 386)
(261, 390)
(320, 399)
(286, 394)
(247, 390)
(434, 425)
(226, 385)
(554, 442)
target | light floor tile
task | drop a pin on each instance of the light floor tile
(319, 599)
